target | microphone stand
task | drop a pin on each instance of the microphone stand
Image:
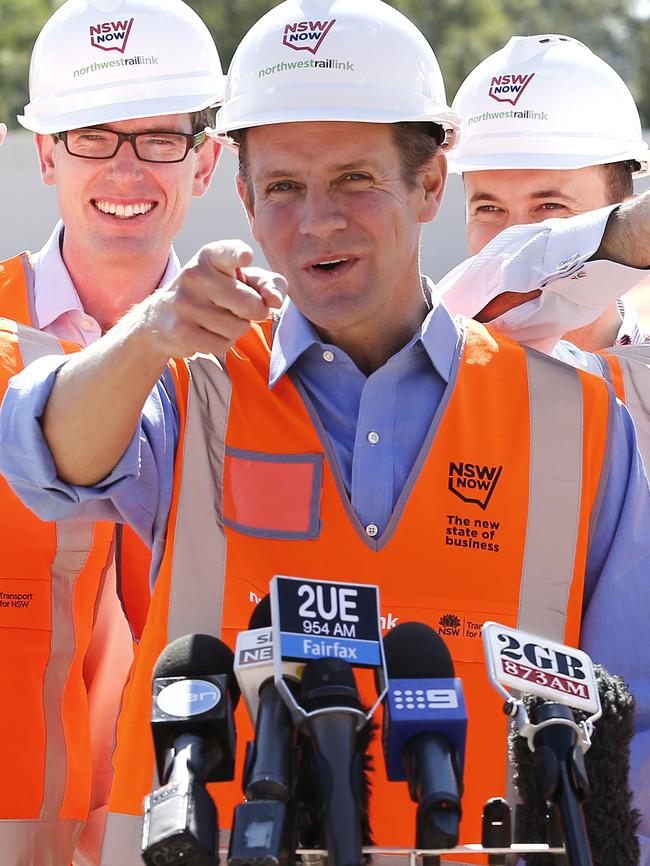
(561, 770)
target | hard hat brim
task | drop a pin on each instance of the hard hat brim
(337, 104)
(112, 112)
(535, 153)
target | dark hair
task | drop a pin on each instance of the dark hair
(618, 179)
(417, 142)
(201, 119)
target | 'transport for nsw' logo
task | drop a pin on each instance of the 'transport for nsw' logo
(307, 35)
(111, 35)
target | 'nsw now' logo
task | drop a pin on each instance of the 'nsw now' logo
(472, 482)
(111, 35)
(307, 35)
(508, 88)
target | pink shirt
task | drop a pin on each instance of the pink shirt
(56, 302)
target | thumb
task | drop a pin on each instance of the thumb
(227, 257)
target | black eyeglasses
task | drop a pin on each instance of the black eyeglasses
(97, 143)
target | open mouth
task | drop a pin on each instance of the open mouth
(330, 264)
(124, 211)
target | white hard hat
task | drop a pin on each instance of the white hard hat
(546, 102)
(341, 60)
(99, 61)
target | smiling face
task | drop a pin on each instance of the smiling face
(334, 215)
(501, 198)
(122, 208)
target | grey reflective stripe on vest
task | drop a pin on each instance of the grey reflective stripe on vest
(199, 544)
(30, 282)
(38, 843)
(122, 840)
(555, 492)
(35, 344)
(74, 540)
(199, 552)
(556, 431)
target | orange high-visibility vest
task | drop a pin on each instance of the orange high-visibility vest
(51, 576)
(132, 555)
(257, 493)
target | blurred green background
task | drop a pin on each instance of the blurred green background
(462, 33)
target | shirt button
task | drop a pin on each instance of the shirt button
(373, 437)
(86, 324)
(372, 530)
(328, 356)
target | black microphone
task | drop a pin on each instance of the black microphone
(611, 821)
(269, 772)
(264, 828)
(336, 724)
(194, 696)
(424, 732)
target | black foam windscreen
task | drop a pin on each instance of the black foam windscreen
(328, 682)
(415, 651)
(196, 655)
(261, 616)
(612, 822)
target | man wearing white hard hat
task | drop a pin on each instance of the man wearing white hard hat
(533, 147)
(529, 150)
(325, 440)
(120, 97)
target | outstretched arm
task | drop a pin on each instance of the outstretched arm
(96, 401)
(626, 238)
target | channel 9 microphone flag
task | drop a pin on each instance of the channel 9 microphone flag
(563, 677)
(330, 628)
(425, 729)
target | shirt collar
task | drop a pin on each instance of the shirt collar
(294, 334)
(630, 331)
(54, 291)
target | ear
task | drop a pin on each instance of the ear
(46, 150)
(247, 200)
(433, 185)
(208, 157)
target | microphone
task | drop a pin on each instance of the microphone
(611, 821)
(194, 696)
(264, 828)
(337, 725)
(424, 732)
(269, 767)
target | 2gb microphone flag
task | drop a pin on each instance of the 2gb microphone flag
(529, 663)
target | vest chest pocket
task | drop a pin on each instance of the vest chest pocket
(272, 495)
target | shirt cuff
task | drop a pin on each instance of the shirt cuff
(572, 242)
(25, 457)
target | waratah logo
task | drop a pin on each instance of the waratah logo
(508, 88)
(111, 35)
(449, 620)
(473, 483)
(307, 35)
